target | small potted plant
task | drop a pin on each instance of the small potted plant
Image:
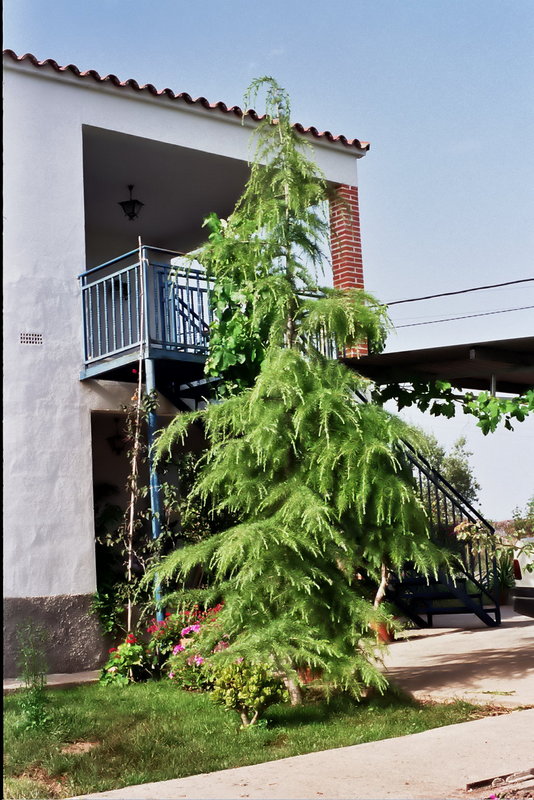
(505, 575)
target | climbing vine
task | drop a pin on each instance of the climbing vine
(440, 398)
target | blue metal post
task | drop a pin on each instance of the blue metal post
(155, 503)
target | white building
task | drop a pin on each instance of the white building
(73, 143)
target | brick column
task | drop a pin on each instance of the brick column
(346, 245)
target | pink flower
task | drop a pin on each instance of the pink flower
(239, 660)
(190, 629)
(171, 674)
(178, 648)
(198, 660)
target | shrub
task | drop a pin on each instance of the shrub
(191, 673)
(170, 636)
(248, 689)
(167, 633)
(126, 663)
(33, 668)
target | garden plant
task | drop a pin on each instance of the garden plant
(317, 479)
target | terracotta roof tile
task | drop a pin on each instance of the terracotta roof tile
(182, 96)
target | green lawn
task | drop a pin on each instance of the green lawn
(153, 732)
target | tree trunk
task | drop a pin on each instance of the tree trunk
(295, 695)
(381, 591)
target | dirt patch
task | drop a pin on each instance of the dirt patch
(41, 776)
(490, 711)
(78, 747)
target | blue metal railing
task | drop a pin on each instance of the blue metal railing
(144, 300)
(153, 299)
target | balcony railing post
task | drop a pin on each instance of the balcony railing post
(155, 489)
(145, 334)
(84, 322)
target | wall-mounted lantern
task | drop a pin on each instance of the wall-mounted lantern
(131, 207)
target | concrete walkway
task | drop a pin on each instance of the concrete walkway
(476, 663)
(436, 764)
(57, 681)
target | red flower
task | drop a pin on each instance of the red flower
(130, 639)
(112, 649)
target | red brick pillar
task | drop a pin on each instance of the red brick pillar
(346, 245)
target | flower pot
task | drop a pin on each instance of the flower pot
(383, 632)
(308, 675)
(504, 596)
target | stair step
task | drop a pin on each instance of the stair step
(433, 611)
(423, 583)
(447, 594)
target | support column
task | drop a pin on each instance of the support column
(155, 504)
(345, 239)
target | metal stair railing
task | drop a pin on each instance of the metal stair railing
(446, 508)
(475, 584)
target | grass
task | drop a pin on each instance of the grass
(102, 737)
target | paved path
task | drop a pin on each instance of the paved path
(477, 663)
(57, 681)
(435, 764)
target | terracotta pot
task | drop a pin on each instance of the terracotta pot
(308, 675)
(383, 632)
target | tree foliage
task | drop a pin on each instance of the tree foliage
(267, 257)
(318, 479)
(440, 398)
(524, 520)
(321, 486)
(453, 465)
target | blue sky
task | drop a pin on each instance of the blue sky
(443, 90)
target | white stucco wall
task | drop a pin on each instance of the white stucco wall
(48, 515)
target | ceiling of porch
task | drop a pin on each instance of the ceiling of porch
(178, 186)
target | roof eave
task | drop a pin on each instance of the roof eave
(50, 68)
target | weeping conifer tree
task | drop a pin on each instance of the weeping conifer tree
(318, 479)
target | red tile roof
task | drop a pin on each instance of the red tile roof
(182, 96)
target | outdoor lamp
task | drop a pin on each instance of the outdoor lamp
(131, 207)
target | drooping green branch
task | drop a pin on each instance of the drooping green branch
(267, 257)
(440, 398)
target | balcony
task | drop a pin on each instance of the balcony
(147, 301)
